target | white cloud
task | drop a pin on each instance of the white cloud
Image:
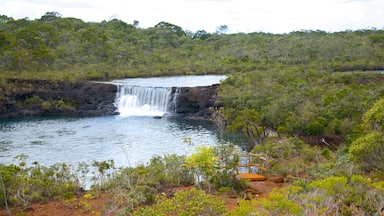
(275, 16)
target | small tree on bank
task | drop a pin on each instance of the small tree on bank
(204, 163)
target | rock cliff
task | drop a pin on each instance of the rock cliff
(23, 98)
(195, 101)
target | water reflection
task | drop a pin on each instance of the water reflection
(128, 141)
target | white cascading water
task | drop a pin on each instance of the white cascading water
(173, 104)
(142, 101)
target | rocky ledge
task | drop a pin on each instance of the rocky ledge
(195, 101)
(23, 98)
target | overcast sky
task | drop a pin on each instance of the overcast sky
(274, 16)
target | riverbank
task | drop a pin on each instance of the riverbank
(24, 98)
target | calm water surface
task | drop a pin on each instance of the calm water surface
(128, 141)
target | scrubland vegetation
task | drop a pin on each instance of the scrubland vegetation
(282, 90)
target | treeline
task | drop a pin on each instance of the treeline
(69, 48)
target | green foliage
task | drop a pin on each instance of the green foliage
(25, 185)
(105, 170)
(343, 196)
(299, 102)
(169, 170)
(63, 105)
(130, 185)
(374, 118)
(332, 185)
(138, 185)
(277, 203)
(68, 195)
(46, 105)
(247, 121)
(368, 149)
(293, 157)
(188, 202)
(33, 101)
(204, 162)
(225, 175)
(334, 195)
(69, 46)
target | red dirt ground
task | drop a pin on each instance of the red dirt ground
(96, 206)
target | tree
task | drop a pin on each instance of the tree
(50, 16)
(249, 122)
(204, 162)
(6, 177)
(201, 34)
(369, 148)
(5, 41)
(136, 23)
(222, 29)
(5, 19)
(373, 119)
(173, 28)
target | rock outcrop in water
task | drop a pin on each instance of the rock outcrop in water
(23, 98)
(195, 101)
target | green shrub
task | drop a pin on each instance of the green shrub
(35, 100)
(68, 195)
(204, 162)
(334, 195)
(188, 202)
(279, 202)
(292, 156)
(170, 170)
(65, 105)
(46, 105)
(25, 184)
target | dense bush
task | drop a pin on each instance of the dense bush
(138, 185)
(23, 185)
(295, 158)
(368, 149)
(188, 202)
(330, 196)
(298, 102)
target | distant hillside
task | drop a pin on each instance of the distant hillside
(68, 48)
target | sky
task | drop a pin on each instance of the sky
(240, 16)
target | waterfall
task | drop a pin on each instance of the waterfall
(173, 103)
(143, 100)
